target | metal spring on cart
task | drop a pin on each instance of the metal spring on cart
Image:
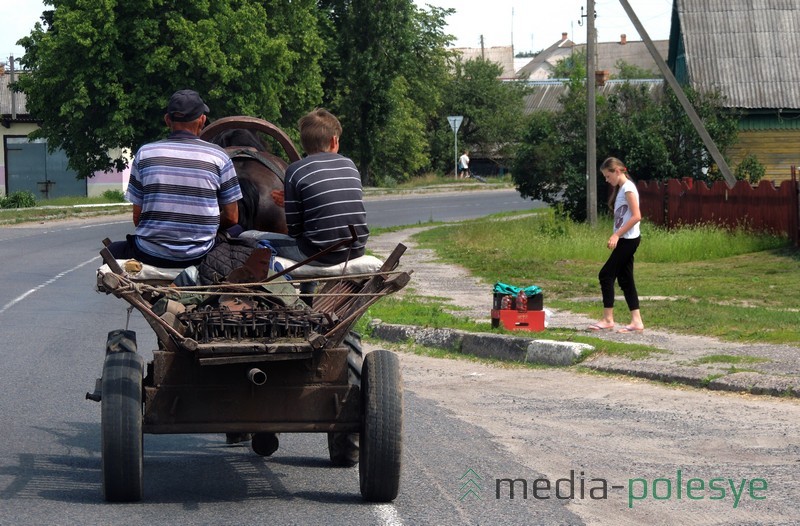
(218, 323)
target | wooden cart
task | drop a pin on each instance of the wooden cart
(245, 360)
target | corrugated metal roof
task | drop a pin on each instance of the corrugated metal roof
(634, 53)
(559, 50)
(502, 55)
(749, 49)
(5, 97)
(545, 94)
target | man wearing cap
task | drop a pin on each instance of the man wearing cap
(183, 189)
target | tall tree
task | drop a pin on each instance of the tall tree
(384, 73)
(492, 111)
(100, 73)
(374, 39)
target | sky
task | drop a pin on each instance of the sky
(534, 24)
(538, 24)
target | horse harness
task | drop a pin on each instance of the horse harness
(250, 153)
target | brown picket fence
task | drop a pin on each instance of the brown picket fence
(764, 207)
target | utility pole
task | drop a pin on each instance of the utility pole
(13, 92)
(591, 117)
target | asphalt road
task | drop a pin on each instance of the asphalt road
(462, 421)
(53, 327)
(450, 206)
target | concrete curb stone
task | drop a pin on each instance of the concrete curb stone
(556, 353)
(483, 345)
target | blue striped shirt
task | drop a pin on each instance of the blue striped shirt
(180, 184)
(323, 196)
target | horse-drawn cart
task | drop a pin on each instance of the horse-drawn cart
(249, 355)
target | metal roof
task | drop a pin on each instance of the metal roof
(5, 98)
(559, 50)
(502, 55)
(545, 94)
(749, 49)
(632, 52)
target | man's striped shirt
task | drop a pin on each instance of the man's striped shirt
(180, 184)
(323, 197)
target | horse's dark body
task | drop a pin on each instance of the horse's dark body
(260, 173)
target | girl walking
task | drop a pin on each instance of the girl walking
(624, 201)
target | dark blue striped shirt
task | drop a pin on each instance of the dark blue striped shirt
(323, 197)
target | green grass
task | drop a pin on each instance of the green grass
(440, 180)
(426, 311)
(29, 215)
(66, 208)
(736, 285)
(729, 358)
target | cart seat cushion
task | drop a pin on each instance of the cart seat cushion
(362, 265)
(138, 271)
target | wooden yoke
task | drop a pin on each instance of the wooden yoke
(243, 122)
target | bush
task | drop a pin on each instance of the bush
(114, 196)
(21, 199)
(750, 169)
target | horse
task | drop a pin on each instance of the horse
(260, 172)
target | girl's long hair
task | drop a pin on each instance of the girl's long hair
(613, 162)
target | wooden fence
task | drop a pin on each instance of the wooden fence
(687, 202)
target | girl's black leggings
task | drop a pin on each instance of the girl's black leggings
(619, 267)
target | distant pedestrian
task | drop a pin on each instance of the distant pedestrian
(463, 165)
(624, 202)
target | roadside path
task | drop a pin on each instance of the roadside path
(471, 297)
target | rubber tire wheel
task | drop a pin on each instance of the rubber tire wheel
(343, 447)
(121, 427)
(120, 340)
(381, 427)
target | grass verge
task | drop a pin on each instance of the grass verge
(736, 286)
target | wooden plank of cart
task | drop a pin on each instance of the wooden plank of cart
(245, 360)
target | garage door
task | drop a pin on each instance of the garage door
(30, 167)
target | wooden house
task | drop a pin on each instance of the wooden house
(750, 51)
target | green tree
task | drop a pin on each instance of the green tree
(631, 71)
(373, 39)
(572, 66)
(750, 169)
(100, 73)
(492, 111)
(384, 71)
(649, 132)
(403, 148)
(688, 155)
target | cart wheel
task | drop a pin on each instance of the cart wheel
(381, 427)
(343, 447)
(121, 422)
(355, 358)
(120, 340)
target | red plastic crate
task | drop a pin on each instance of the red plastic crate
(513, 320)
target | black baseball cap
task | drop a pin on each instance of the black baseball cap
(186, 105)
